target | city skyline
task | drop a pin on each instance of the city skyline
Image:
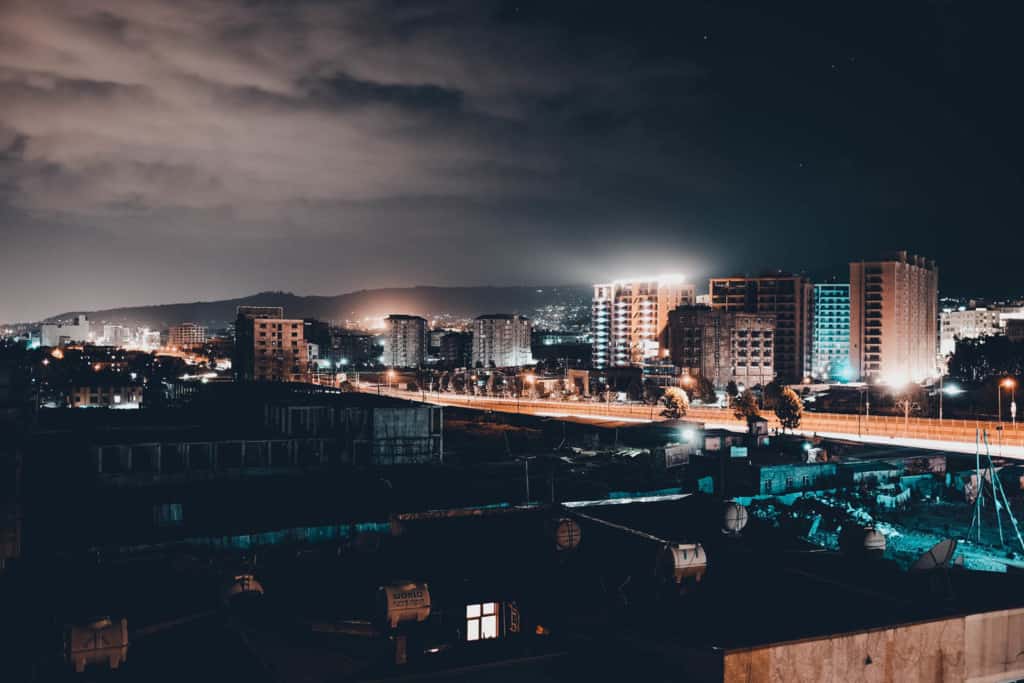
(159, 152)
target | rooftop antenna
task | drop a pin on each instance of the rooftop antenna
(999, 498)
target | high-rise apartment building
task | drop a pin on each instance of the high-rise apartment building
(830, 337)
(186, 336)
(406, 345)
(723, 346)
(502, 340)
(893, 318)
(788, 298)
(629, 319)
(269, 347)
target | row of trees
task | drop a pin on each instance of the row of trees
(788, 406)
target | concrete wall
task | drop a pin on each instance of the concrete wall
(978, 647)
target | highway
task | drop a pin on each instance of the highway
(916, 432)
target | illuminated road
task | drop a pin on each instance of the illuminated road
(948, 435)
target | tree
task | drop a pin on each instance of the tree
(789, 409)
(676, 403)
(744, 407)
(732, 390)
(772, 393)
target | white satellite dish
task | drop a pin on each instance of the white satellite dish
(939, 557)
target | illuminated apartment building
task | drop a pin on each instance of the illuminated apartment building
(893, 318)
(629, 319)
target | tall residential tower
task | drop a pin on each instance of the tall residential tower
(830, 339)
(894, 318)
(629, 322)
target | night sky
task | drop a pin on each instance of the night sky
(154, 152)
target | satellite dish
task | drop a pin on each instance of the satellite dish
(939, 557)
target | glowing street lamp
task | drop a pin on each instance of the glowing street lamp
(1010, 384)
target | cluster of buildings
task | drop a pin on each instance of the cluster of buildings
(499, 340)
(879, 326)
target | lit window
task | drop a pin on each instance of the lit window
(482, 621)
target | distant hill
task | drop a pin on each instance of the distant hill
(459, 302)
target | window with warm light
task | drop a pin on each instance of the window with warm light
(482, 621)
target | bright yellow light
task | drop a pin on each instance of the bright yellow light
(391, 374)
(97, 367)
(57, 353)
(1008, 383)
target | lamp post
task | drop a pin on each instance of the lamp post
(1011, 384)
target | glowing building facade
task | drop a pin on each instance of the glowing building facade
(894, 318)
(629, 319)
(406, 341)
(186, 336)
(830, 338)
(502, 340)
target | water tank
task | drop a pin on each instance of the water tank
(683, 562)
(874, 541)
(404, 602)
(242, 585)
(100, 641)
(734, 518)
(566, 533)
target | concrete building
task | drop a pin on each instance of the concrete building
(56, 334)
(972, 323)
(186, 336)
(893, 318)
(269, 347)
(106, 395)
(830, 336)
(788, 298)
(456, 349)
(406, 341)
(629, 319)
(502, 340)
(116, 335)
(723, 346)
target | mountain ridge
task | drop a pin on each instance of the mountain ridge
(428, 301)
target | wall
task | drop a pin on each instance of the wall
(978, 647)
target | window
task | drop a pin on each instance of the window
(482, 621)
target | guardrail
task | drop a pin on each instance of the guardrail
(961, 431)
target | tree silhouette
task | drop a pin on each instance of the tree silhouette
(789, 409)
(676, 403)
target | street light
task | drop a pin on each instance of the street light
(1011, 384)
(951, 390)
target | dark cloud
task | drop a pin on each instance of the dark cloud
(153, 150)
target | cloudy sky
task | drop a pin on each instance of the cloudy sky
(154, 151)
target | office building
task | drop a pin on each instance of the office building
(788, 298)
(629, 319)
(830, 337)
(972, 323)
(186, 336)
(894, 318)
(723, 346)
(57, 334)
(502, 340)
(405, 344)
(269, 347)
